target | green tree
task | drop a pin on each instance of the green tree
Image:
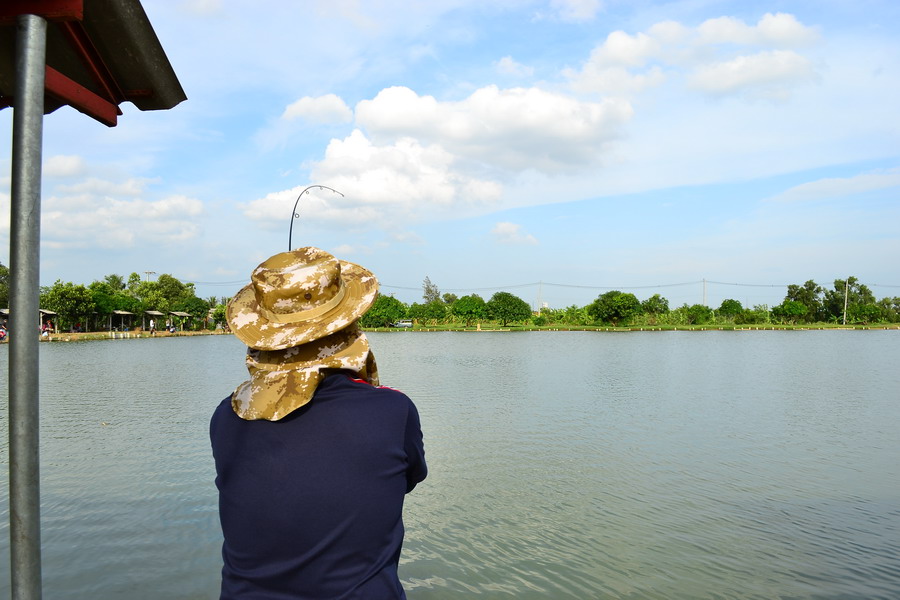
(194, 306)
(430, 292)
(72, 303)
(449, 298)
(789, 311)
(866, 313)
(104, 297)
(506, 307)
(107, 298)
(383, 312)
(433, 311)
(614, 307)
(759, 314)
(4, 286)
(858, 296)
(414, 311)
(809, 295)
(469, 308)
(134, 280)
(655, 305)
(173, 290)
(730, 309)
(218, 314)
(890, 309)
(115, 282)
(576, 315)
(698, 314)
(152, 299)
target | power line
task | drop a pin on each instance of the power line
(239, 282)
(562, 285)
(621, 287)
(784, 285)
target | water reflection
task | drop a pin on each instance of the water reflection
(563, 465)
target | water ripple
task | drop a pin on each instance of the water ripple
(562, 465)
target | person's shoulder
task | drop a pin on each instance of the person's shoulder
(361, 386)
(222, 411)
(380, 388)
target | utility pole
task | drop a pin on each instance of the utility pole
(846, 296)
(149, 273)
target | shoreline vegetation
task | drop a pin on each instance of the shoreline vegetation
(487, 328)
(120, 308)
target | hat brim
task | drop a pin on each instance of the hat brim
(248, 325)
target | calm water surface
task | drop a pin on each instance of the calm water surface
(563, 464)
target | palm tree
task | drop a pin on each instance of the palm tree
(116, 282)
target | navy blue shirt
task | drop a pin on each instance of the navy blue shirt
(311, 505)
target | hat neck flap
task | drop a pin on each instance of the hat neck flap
(281, 381)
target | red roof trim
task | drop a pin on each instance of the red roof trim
(52, 10)
(81, 98)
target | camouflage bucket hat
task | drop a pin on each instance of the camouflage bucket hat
(281, 381)
(299, 296)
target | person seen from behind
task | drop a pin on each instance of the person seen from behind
(313, 459)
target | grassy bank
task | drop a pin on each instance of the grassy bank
(119, 335)
(762, 327)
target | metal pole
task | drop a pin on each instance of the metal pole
(24, 250)
(846, 297)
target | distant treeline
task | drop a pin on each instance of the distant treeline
(90, 307)
(848, 301)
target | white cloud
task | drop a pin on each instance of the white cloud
(835, 187)
(101, 187)
(626, 50)
(388, 185)
(203, 8)
(509, 129)
(63, 166)
(323, 109)
(708, 58)
(505, 232)
(779, 30)
(576, 10)
(108, 214)
(508, 66)
(614, 80)
(414, 158)
(769, 73)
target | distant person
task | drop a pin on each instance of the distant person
(313, 459)
(152, 327)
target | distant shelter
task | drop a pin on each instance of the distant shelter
(46, 318)
(181, 319)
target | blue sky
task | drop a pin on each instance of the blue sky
(585, 144)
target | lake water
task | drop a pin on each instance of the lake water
(562, 465)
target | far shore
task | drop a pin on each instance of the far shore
(602, 328)
(143, 334)
(121, 335)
